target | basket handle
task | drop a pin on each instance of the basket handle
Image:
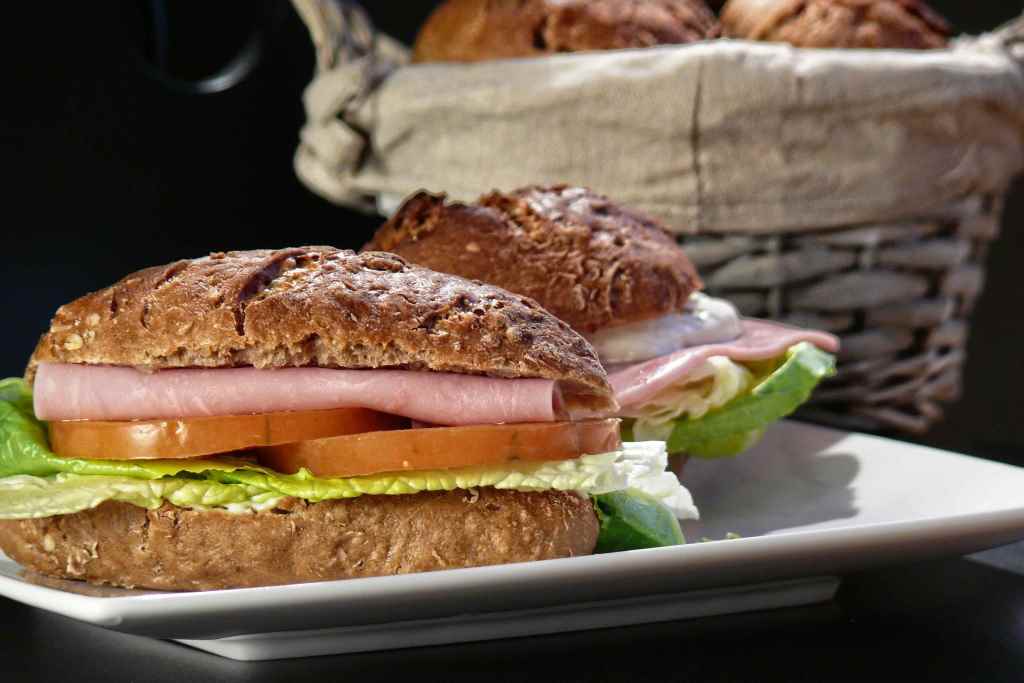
(352, 59)
(341, 30)
(1011, 37)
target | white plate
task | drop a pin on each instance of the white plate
(809, 502)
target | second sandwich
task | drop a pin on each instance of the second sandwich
(686, 368)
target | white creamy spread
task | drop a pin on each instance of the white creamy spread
(706, 320)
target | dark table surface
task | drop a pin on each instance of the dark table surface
(957, 619)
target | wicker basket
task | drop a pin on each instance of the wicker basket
(899, 295)
(885, 246)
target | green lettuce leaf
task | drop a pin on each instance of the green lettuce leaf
(25, 496)
(738, 424)
(631, 520)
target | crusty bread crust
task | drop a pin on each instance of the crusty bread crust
(591, 262)
(903, 24)
(174, 548)
(325, 307)
(472, 30)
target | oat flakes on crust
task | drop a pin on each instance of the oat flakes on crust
(325, 307)
(591, 262)
(903, 24)
(474, 30)
(173, 548)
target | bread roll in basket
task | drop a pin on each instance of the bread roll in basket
(852, 190)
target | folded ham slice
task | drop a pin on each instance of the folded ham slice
(635, 385)
(98, 392)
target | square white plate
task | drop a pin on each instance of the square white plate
(808, 502)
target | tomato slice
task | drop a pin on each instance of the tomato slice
(194, 437)
(443, 448)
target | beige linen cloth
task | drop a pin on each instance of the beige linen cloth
(713, 137)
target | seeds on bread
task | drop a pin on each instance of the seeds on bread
(472, 31)
(902, 24)
(591, 262)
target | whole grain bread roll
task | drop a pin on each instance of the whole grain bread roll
(904, 24)
(325, 307)
(172, 548)
(591, 262)
(478, 30)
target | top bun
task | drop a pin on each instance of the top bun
(475, 30)
(592, 263)
(324, 307)
(901, 24)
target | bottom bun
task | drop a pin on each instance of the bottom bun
(172, 548)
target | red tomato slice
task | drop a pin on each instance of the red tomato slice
(190, 438)
(443, 448)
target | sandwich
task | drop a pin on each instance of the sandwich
(685, 367)
(268, 417)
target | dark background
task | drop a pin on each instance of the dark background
(113, 171)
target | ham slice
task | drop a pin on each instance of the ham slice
(637, 384)
(98, 392)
